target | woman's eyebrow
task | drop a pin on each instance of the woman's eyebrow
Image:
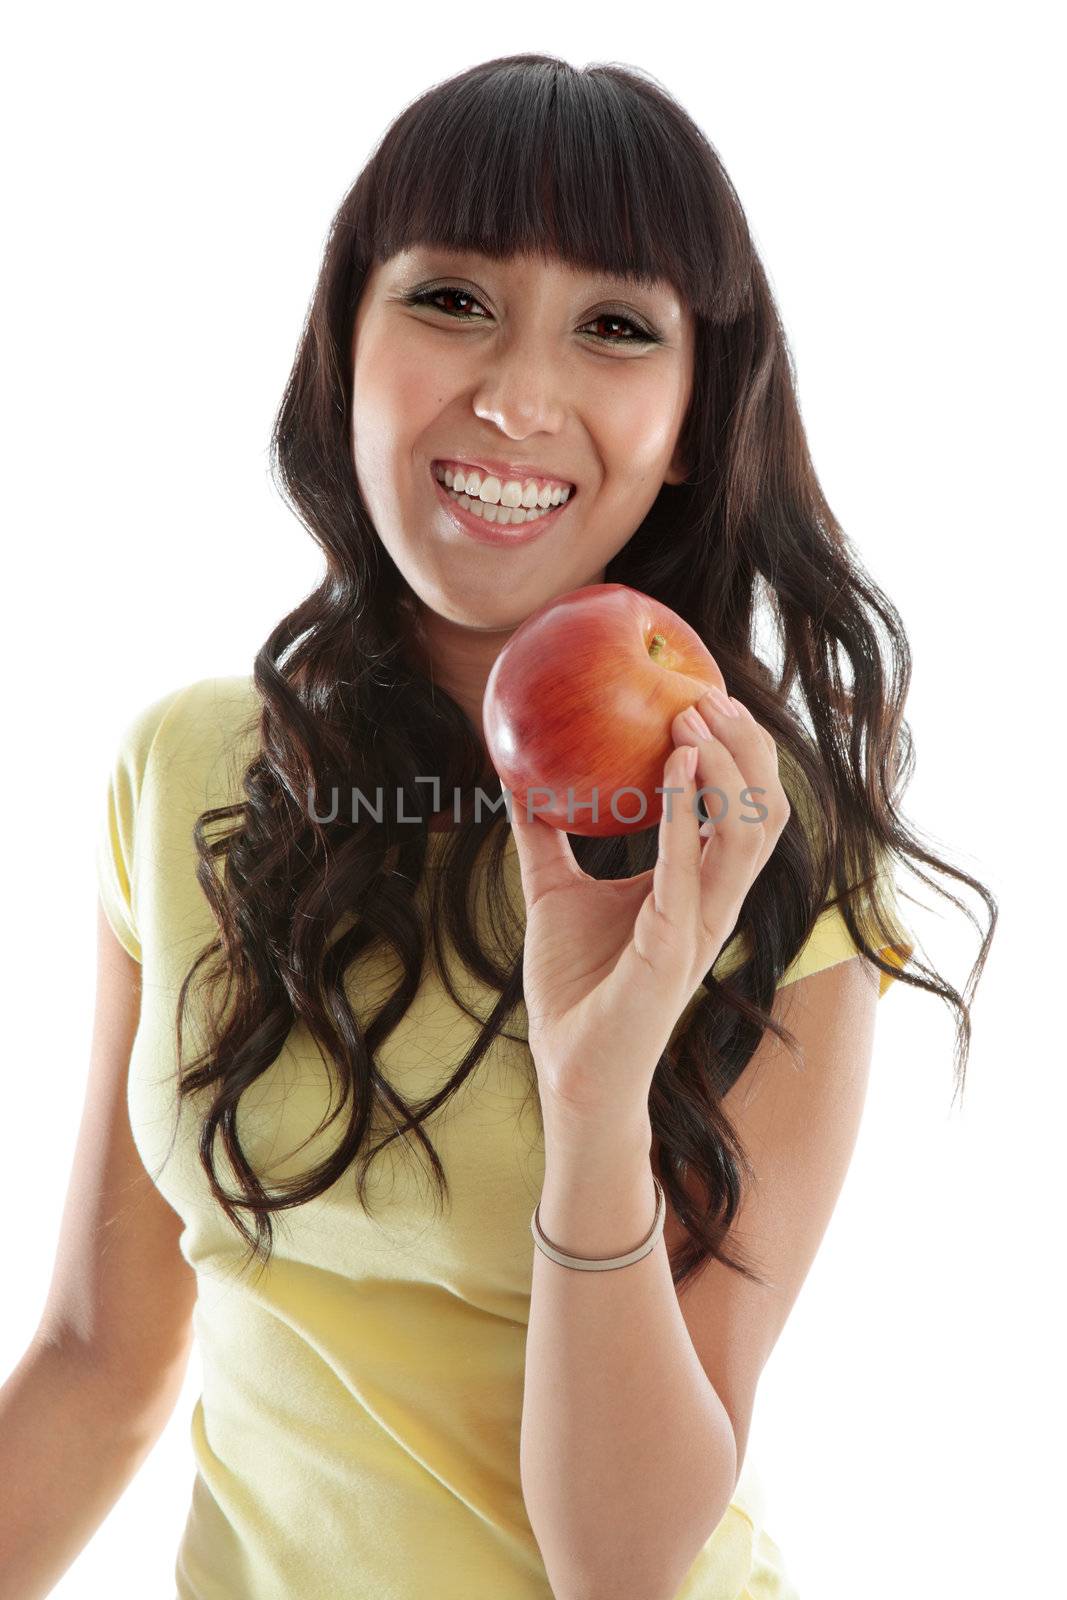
(594, 276)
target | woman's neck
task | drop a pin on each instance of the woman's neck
(458, 659)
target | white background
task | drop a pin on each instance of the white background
(169, 178)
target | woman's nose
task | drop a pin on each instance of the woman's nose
(521, 392)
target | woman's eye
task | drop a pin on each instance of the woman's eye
(637, 335)
(427, 297)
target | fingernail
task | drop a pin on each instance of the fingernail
(696, 724)
(689, 765)
(707, 829)
(722, 703)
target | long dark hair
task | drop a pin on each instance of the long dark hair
(602, 169)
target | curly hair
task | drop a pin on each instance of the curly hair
(601, 169)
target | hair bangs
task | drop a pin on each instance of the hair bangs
(539, 158)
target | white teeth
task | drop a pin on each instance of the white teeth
(490, 491)
(502, 515)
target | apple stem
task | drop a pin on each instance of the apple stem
(657, 646)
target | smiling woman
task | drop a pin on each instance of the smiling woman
(406, 1403)
(459, 356)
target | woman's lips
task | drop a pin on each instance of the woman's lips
(488, 532)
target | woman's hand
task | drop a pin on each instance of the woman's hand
(609, 966)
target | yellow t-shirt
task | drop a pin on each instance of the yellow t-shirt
(358, 1429)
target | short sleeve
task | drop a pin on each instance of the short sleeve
(830, 943)
(116, 868)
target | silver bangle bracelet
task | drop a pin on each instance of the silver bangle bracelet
(585, 1264)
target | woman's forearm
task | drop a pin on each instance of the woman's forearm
(71, 1440)
(628, 1457)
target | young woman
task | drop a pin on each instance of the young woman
(633, 1068)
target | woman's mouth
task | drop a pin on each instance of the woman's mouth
(484, 520)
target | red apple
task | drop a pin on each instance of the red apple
(582, 698)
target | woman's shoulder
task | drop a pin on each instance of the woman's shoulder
(202, 718)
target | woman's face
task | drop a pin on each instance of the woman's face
(528, 364)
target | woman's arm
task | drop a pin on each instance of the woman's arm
(100, 1378)
(627, 1453)
(637, 1398)
(72, 1439)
